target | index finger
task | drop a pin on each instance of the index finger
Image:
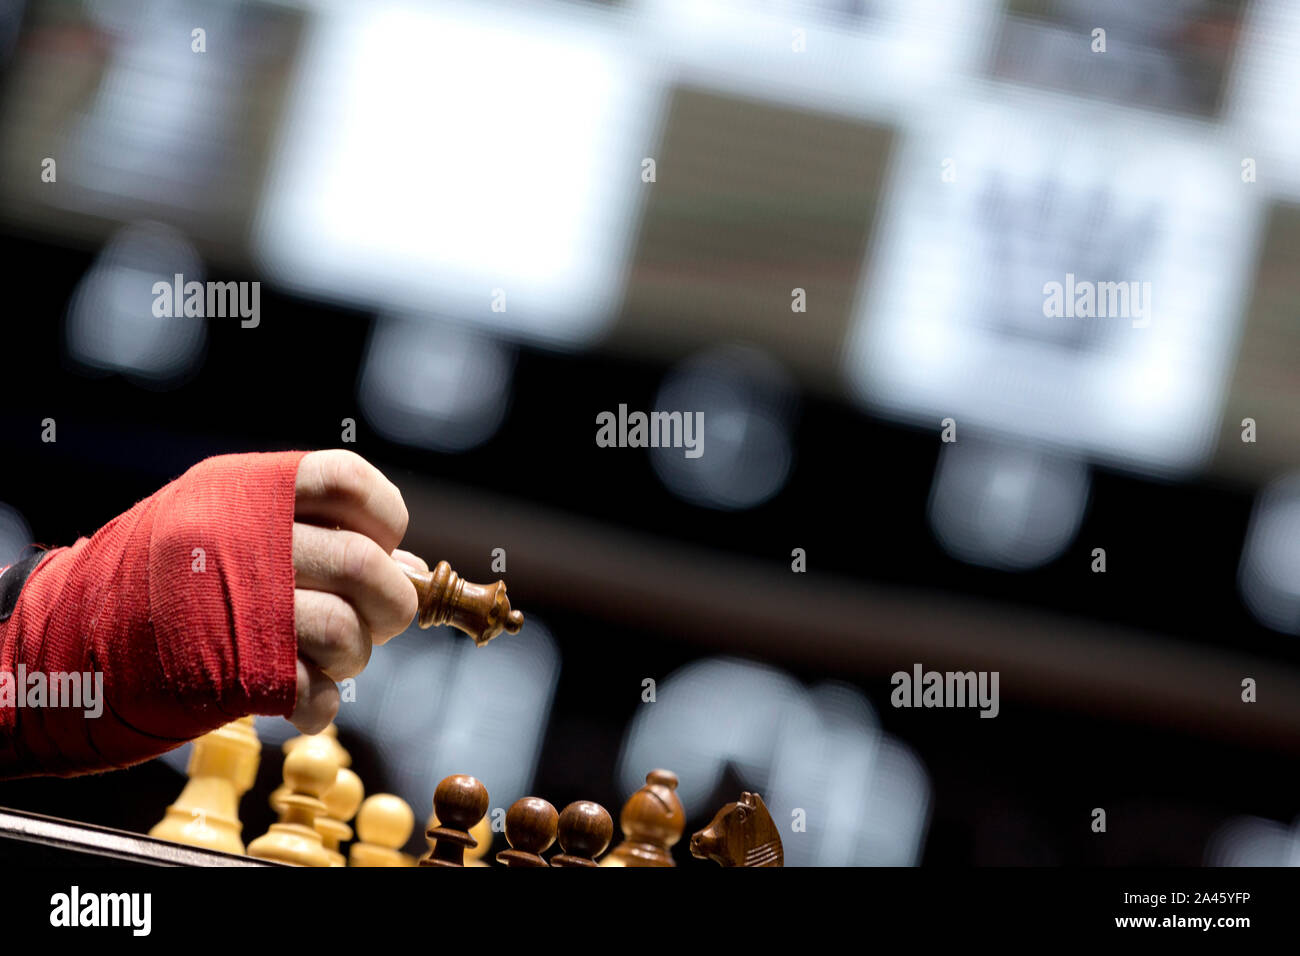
(339, 488)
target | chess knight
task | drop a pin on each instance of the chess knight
(741, 834)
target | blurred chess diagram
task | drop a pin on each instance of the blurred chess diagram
(457, 236)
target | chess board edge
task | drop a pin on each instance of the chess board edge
(52, 832)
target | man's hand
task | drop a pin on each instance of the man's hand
(349, 591)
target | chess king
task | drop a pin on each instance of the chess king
(251, 584)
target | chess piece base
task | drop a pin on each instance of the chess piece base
(183, 823)
(375, 856)
(449, 846)
(291, 843)
(639, 854)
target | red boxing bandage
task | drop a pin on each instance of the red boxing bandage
(184, 605)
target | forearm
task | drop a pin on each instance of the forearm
(184, 604)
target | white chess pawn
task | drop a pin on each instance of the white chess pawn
(341, 802)
(384, 824)
(328, 736)
(309, 771)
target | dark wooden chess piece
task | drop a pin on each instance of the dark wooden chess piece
(741, 834)
(531, 825)
(652, 820)
(585, 829)
(480, 610)
(459, 802)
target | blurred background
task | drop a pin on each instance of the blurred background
(825, 224)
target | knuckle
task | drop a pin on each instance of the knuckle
(403, 517)
(336, 630)
(349, 646)
(357, 558)
(400, 605)
(361, 657)
(345, 475)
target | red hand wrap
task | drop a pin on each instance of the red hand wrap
(186, 639)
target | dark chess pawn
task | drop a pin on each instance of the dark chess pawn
(585, 829)
(459, 802)
(531, 824)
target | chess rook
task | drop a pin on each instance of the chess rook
(531, 825)
(480, 610)
(459, 803)
(584, 830)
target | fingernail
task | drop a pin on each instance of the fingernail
(410, 560)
